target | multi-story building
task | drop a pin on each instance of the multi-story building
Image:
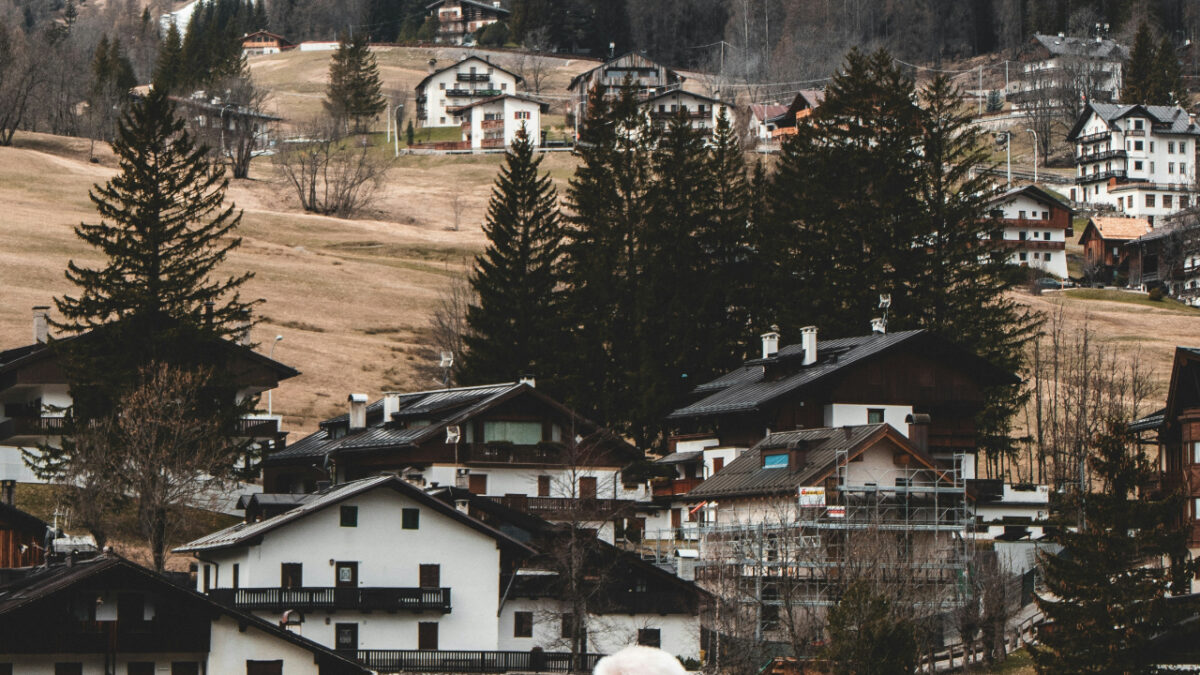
(458, 20)
(497, 440)
(493, 123)
(1140, 160)
(35, 396)
(405, 579)
(445, 91)
(1036, 225)
(701, 111)
(645, 76)
(108, 615)
(1057, 71)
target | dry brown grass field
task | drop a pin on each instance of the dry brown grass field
(352, 298)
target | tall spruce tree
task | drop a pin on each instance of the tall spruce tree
(354, 93)
(607, 204)
(514, 327)
(1139, 72)
(164, 230)
(168, 68)
(1106, 594)
(1168, 87)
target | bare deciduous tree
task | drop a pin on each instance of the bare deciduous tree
(243, 124)
(331, 174)
(18, 77)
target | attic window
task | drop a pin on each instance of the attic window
(777, 460)
(349, 516)
(875, 415)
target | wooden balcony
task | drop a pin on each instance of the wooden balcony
(678, 486)
(472, 77)
(446, 661)
(1099, 156)
(1103, 175)
(32, 426)
(1092, 138)
(491, 124)
(690, 114)
(472, 93)
(508, 453)
(1032, 244)
(251, 427)
(549, 507)
(309, 598)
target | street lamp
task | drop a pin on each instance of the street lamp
(272, 357)
(1034, 153)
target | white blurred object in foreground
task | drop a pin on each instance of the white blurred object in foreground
(639, 661)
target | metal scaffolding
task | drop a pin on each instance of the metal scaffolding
(914, 537)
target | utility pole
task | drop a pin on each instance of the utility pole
(980, 92)
(1034, 153)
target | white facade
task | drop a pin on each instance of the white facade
(1136, 164)
(1032, 503)
(679, 634)
(495, 123)
(1030, 237)
(854, 414)
(466, 82)
(702, 111)
(562, 482)
(387, 556)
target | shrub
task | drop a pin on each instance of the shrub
(1157, 294)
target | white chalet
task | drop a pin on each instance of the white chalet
(1138, 159)
(494, 122)
(1036, 225)
(459, 19)
(406, 579)
(1055, 68)
(444, 91)
(702, 111)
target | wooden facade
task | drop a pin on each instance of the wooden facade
(1179, 439)
(22, 538)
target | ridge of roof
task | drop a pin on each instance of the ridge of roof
(245, 533)
(421, 84)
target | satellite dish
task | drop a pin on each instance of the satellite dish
(453, 434)
(447, 359)
(885, 300)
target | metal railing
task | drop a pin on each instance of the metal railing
(1103, 175)
(437, 599)
(454, 661)
(36, 426)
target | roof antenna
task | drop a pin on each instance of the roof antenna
(879, 324)
(446, 364)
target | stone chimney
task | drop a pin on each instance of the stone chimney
(770, 344)
(41, 324)
(808, 341)
(391, 404)
(358, 411)
(918, 430)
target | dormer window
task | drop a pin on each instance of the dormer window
(775, 460)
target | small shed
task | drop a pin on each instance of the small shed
(1104, 239)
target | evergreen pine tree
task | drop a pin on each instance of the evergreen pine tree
(672, 339)
(514, 328)
(1168, 87)
(168, 68)
(608, 199)
(1106, 596)
(354, 92)
(410, 133)
(1138, 73)
(164, 230)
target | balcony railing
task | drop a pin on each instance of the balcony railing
(1103, 175)
(1100, 156)
(549, 506)
(33, 426)
(1092, 138)
(251, 427)
(472, 93)
(473, 77)
(690, 114)
(446, 661)
(491, 124)
(435, 599)
(676, 487)
(507, 453)
(1033, 244)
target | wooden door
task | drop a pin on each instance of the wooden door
(427, 635)
(431, 576)
(543, 486)
(477, 484)
(347, 575)
(291, 575)
(587, 487)
(346, 636)
(676, 518)
(718, 464)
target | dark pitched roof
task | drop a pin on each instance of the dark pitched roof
(627, 55)
(421, 84)
(747, 389)
(1033, 192)
(745, 475)
(805, 99)
(545, 107)
(1170, 119)
(1103, 49)
(481, 5)
(1151, 422)
(680, 457)
(50, 580)
(25, 521)
(445, 406)
(685, 92)
(248, 534)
